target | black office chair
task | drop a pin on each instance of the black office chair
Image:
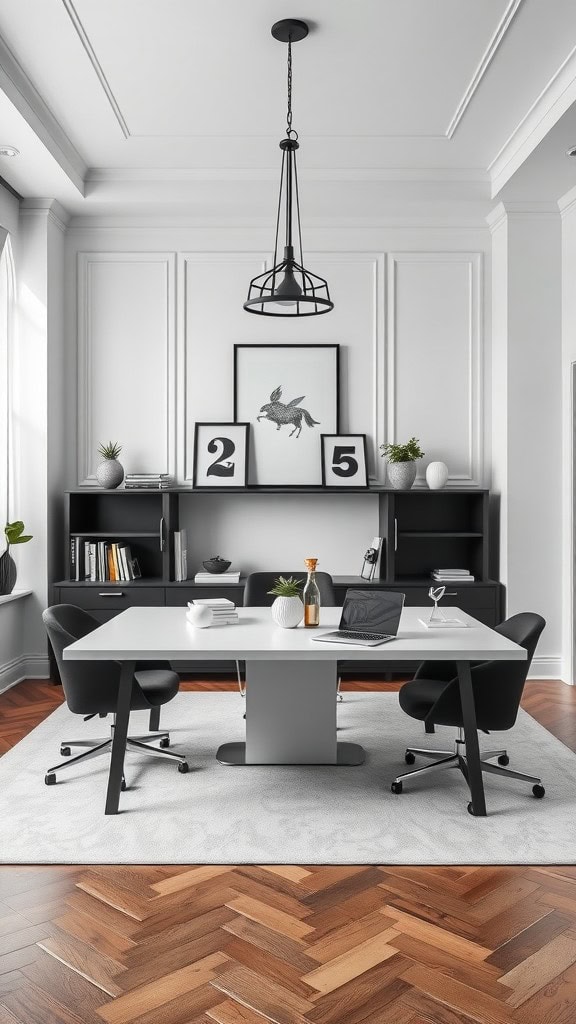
(433, 697)
(256, 595)
(91, 688)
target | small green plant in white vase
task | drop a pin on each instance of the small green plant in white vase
(402, 460)
(109, 472)
(287, 610)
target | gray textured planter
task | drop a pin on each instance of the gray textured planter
(109, 474)
(7, 573)
(401, 475)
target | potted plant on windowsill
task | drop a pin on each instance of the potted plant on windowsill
(14, 533)
(287, 610)
(402, 460)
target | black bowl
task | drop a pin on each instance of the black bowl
(216, 565)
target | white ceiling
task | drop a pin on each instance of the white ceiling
(96, 90)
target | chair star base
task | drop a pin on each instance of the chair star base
(444, 759)
(98, 747)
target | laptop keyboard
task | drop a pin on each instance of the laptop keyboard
(354, 634)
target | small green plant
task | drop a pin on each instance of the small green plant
(14, 533)
(408, 452)
(110, 451)
(286, 587)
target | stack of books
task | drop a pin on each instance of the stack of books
(102, 562)
(223, 611)
(180, 556)
(152, 481)
(230, 576)
(452, 576)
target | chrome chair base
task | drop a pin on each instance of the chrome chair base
(443, 759)
(98, 747)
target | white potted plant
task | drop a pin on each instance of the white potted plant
(287, 609)
(109, 472)
(402, 460)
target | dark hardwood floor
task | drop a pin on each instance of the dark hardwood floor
(289, 944)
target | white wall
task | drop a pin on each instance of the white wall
(159, 310)
(526, 410)
(568, 206)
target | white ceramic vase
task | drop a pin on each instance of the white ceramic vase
(401, 475)
(109, 474)
(287, 612)
(436, 475)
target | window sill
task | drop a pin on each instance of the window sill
(14, 596)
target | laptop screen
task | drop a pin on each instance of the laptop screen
(372, 611)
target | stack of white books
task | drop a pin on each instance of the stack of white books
(223, 611)
(152, 481)
(230, 576)
(452, 576)
(180, 556)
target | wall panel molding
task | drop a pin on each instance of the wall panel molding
(472, 261)
(87, 442)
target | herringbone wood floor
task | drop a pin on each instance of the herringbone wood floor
(293, 944)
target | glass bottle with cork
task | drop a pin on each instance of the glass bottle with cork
(311, 595)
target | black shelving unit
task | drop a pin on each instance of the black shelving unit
(421, 529)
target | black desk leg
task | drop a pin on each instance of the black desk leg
(120, 734)
(471, 735)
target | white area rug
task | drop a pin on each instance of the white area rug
(306, 815)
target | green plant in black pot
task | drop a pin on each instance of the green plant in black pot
(402, 460)
(14, 533)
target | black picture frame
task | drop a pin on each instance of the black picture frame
(221, 480)
(358, 479)
(306, 373)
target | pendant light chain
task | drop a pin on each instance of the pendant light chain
(289, 91)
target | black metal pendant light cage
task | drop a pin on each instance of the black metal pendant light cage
(288, 289)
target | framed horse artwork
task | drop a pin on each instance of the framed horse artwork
(290, 396)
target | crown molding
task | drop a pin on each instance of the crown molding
(554, 100)
(163, 175)
(49, 208)
(567, 202)
(90, 53)
(509, 210)
(27, 100)
(485, 61)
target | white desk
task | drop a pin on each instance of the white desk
(291, 696)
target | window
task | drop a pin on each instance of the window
(7, 319)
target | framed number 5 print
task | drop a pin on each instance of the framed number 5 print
(220, 455)
(344, 462)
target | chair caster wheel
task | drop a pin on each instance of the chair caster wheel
(50, 779)
(409, 757)
(164, 742)
(396, 787)
(538, 791)
(244, 715)
(65, 751)
(503, 760)
(183, 768)
(123, 786)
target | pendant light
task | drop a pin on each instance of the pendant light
(288, 289)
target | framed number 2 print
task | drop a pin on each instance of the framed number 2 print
(220, 455)
(344, 462)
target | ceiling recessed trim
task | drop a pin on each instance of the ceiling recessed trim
(471, 89)
(556, 97)
(487, 58)
(90, 53)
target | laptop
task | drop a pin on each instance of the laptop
(369, 618)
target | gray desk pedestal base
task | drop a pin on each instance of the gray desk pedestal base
(291, 717)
